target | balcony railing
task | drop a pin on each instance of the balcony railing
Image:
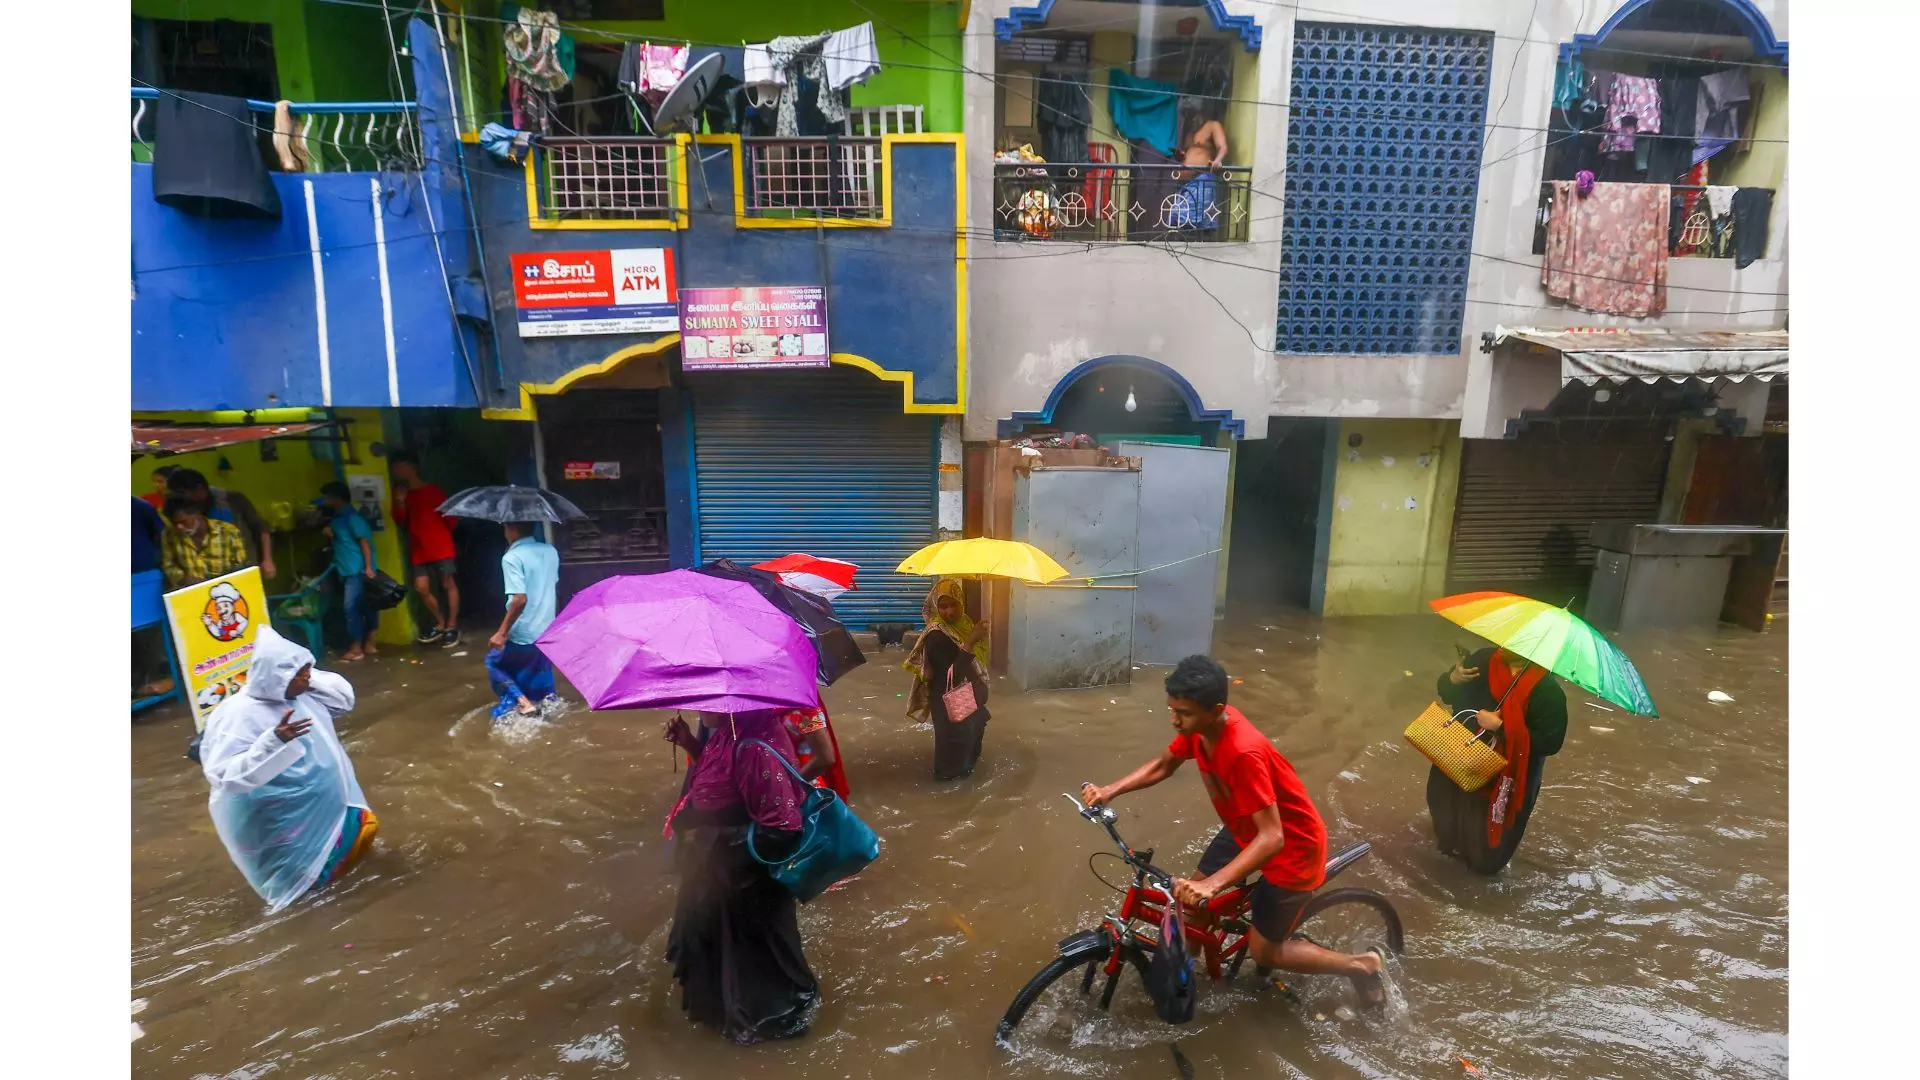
(349, 136)
(1697, 234)
(815, 179)
(1111, 202)
(606, 179)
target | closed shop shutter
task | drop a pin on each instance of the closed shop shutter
(822, 462)
(1527, 505)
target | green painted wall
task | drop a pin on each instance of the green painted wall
(323, 52)
(287, 17)
(920, 43)
(1392, 515)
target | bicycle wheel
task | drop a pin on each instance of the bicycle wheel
(1351, 921)
(1082, 960)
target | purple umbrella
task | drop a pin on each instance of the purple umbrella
(682, 640)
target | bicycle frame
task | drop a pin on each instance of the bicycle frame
(1218, 931)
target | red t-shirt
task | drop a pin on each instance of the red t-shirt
(428, 538)
(1246, 774)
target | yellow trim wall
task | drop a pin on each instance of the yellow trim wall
(1391, 515)
(281, 489)
(526, 409)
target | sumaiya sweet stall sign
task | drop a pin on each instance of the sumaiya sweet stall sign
(777, 326)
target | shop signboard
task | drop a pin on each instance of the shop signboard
(746, 329)
(214, 624)
(578, 293)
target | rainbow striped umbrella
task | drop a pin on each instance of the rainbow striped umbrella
(1554, 638)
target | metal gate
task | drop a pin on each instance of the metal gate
(1183, 510)
(1526, 505)
(822, 462)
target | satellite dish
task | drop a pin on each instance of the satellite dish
(681, 106)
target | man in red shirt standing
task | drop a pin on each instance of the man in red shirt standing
(429, 545)
(1269, 824)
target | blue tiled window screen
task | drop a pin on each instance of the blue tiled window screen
(1383, 167)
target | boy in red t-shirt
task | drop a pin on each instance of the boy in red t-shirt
(416, 505)
(1270, 825)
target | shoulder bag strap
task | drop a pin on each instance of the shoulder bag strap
(807, 824)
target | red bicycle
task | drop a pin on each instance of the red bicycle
(1216, 934)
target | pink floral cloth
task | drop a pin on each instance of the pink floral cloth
(1607, 252)
(1633, 108)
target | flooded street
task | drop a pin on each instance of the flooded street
(512, 917)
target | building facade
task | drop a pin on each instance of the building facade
(1352, 297)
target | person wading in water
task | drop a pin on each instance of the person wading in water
(1526, 710)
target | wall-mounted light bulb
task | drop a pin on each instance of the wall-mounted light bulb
(1132, 405)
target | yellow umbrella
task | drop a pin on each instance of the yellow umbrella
(983, 557)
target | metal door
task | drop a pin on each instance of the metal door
(1183, 511)
(1088, 520)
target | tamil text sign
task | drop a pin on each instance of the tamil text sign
(572, 293)
(778, 326)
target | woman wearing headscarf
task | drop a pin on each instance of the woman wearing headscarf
(951, 652)
(284, 798)
(735, 944)
(1526, 710)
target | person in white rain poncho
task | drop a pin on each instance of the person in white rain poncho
(284, 797)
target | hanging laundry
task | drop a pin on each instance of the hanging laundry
(1143, 110)
(1720, 200)
(206, 157)
(540, 60)
(1633, 108)
(796, 58)
(1716, 115)
(504, 143)
(1672, 153)
(1607, 252)
(1570, 82)
(1752, 209)
(539, 53)
(732, 60)
(661, 69)
(851, 56)
(759, 67)
(1063, 111)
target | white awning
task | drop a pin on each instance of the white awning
(1652, 355)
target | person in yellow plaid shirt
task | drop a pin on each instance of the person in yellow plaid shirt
(198, 548)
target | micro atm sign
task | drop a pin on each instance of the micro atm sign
(572, 293)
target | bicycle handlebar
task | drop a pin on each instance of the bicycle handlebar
(1104, 817)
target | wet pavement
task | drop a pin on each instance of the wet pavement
(512, 918)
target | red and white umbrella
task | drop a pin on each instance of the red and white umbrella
(825, 578)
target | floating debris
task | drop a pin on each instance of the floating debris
(1698, 780)
(1719, 698)
(1597, 705)
(1471, 1068)
(1601, 730)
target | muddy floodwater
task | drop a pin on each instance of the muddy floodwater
(512, 918)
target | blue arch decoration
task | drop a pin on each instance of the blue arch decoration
(1026, 17)
(1196, 409)
(1752, 23)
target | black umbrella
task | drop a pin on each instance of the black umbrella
(838, 653)
(505, 503)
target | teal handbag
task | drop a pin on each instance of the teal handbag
(834, 843)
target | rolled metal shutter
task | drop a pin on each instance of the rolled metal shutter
(1526, 505)
(822, 462)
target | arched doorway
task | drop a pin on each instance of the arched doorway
(1093, 398)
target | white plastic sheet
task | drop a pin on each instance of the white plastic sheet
(279, 806)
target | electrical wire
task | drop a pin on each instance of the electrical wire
(963, 69)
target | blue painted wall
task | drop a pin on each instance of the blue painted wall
(891, 292)
(224, 311)
(225, 314)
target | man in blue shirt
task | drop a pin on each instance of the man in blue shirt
(520, 673)
(353, 563)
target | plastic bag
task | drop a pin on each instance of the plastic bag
(1169, 975)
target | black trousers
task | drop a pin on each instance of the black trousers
(1460, 819)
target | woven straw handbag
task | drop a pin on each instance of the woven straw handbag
(1455, 748)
